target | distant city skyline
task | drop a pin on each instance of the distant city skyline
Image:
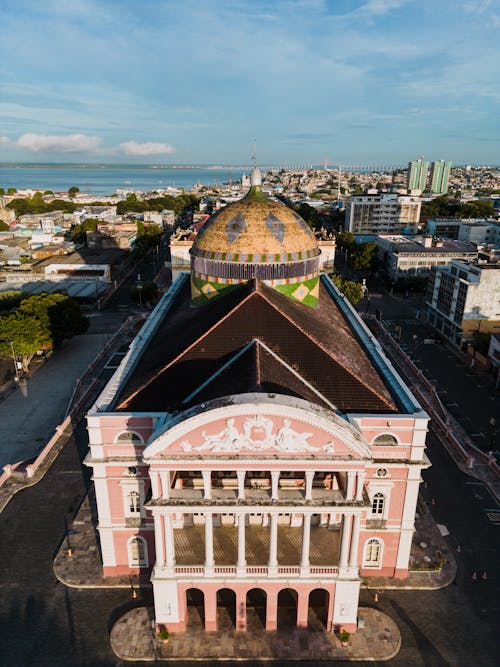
(162, 82)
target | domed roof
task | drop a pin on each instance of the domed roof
(256, 229)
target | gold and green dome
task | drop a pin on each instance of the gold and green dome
(256, 238)
(256, 229)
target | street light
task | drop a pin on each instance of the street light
(494, 430)
(139, 291)
(15, 361)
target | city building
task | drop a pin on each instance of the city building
(384, 213)
(464, 298)
(403, 257)
(417, 175)
(256, 444)
(439, 177)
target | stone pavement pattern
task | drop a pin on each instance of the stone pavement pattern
(132, 639)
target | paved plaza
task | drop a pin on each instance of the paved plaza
(132, 638)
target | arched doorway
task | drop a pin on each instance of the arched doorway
(256, 609)
(226, 610)
(195, 609)
(319, 600)
(287, 608)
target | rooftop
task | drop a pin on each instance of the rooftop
(256, 340)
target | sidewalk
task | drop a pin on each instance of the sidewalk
(378, 638)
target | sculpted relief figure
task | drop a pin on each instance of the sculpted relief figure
(288, 440)
(257, 435)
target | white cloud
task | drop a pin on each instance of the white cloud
(146, 148)
(65, 143)
(4, 140)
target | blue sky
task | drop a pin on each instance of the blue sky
(196, 81)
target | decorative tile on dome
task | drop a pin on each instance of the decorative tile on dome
(235, 226)
(276, 227)
(208, 290)
(300, 293)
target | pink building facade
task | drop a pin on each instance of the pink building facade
(257, 450)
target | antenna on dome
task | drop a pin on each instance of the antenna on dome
(254, 156)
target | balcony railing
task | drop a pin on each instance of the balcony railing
(252, 570)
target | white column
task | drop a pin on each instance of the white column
(309, 483)
(360, 484)
(160, 550)
(165, 484)
(155, 489)
(351, 476)
(209, 541)
(344, 544)
(273, 538)
(306, 540)
(353, 557)
(241, 484)
(207, 484)
(169, 541)
(241, 543)
(275, 476)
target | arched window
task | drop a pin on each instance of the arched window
(134, 502)
(378, 504)
(385, 439)
(372, 553)
(137, 552)
(129, 437)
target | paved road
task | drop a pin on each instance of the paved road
(30, 413)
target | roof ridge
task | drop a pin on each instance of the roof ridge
(295, 373)
(325, 350)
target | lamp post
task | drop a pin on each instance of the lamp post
(494, 430)
(15, 361)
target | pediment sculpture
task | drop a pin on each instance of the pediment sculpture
(258, 435)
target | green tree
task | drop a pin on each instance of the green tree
(11, 191)
(352, 290)
(9, 300)
(4, 226)
(2, 192)
(72, 191)
(26, 334)
(364, 256)
(345, 240)
(481, 341)
(78, 233)
(59, 315)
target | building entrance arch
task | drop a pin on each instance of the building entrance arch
(195, 608)
(226, 610)
(287, 608)
(256, 604)
(317, 616)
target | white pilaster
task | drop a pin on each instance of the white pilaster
(344, 544)
(209, 542)
(155, 490)
(360, 484)
(275, 476)
(159, 547)
(169, 541)
(273, 548)
(241, 484)
(353, 557)
(306, 540)
(165, 484)
(207, 484)
(309, 483)
(351, 477)
(241, 564)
